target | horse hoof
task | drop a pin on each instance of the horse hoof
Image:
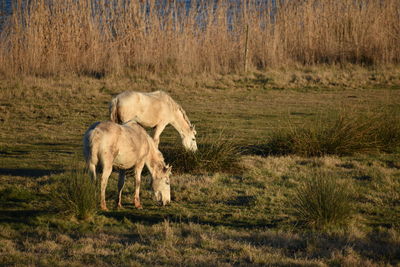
(104, 208)
(138, 206)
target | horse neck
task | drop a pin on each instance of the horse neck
(154, 158)
(180, 123)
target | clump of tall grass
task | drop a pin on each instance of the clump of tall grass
(98, 37)
(347, 134)
(213, 155)
(76, 194)
(322, 202)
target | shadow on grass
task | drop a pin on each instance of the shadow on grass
(262, 150)
(26, 172)
(150, 217)
(20, 216)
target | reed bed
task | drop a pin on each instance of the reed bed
(47, 37)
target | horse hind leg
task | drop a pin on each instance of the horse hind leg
(121, 183)
(107, 169)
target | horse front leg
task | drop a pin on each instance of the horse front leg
(121, 183)
(157, 133)
(138, 173)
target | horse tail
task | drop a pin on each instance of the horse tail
(91, 149)
(114, 110)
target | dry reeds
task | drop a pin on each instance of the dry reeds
(99, 37)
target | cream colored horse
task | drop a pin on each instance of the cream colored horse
(156, 109)
(109, 144)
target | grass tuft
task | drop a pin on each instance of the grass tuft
(346, 135)
(76, 194)
(213, 155)
(321, 202)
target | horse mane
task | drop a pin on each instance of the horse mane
(175, 106)
(156, 158)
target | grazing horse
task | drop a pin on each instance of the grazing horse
(156, 109)
(109, 144)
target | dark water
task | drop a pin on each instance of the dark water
(178, 8)
(7, 5)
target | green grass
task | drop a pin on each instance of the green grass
(229, 201)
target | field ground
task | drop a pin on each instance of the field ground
(218, 219)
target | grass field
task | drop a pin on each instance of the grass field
(248, 216)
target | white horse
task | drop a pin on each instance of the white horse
(156, 109)
(109, 144)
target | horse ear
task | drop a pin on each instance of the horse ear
(194, 129)
(167, 169)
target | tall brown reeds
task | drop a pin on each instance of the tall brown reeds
(46, 37)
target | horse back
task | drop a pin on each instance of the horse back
(120, 145)
(148, 109)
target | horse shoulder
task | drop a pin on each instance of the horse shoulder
(136, 140)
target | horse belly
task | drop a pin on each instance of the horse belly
(123, 161)
(129, 151)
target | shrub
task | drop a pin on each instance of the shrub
(322, 202)
(213, 155)
(76, 194)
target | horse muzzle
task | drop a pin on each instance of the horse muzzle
(162, 200)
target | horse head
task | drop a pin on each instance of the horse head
(161, 184)
(189, 139)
